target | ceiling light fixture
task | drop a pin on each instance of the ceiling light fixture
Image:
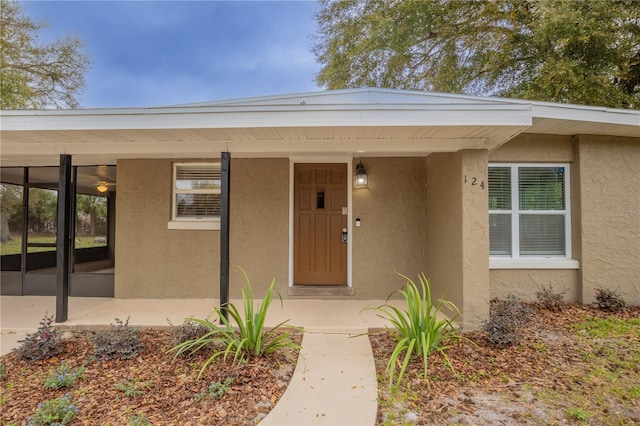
(102, 186)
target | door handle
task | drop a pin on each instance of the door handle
(344, 235)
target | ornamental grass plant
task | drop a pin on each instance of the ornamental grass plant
(420, 329)
(243, 337)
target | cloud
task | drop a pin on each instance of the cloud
(161, 53)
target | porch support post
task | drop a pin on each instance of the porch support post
(224, 233)
(25, 228)
(63, 238)
(458, 232)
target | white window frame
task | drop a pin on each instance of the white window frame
(195, 223)
(515, 261)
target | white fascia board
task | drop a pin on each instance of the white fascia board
(586, 114)
(270, 116)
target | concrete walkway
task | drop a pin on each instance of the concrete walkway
(334, 382)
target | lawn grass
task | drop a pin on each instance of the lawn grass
(15, 246)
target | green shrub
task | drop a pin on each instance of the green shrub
(550, 299)
(188, 330)
(63, 377)
(138, 419)
(506, 316)
(216, 390)
(57, 411)
(45, 342)
(3, 370)
(131, 388)
(609, 300)
(418, 330)
(119, 341)
(249, 341)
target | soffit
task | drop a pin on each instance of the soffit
(258, 130)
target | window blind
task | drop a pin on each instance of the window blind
(541, 188)
(500, 234)
(500, 188)
(533, 220)
(542, 235)
(197, 191)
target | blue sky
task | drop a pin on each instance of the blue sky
(154, 53)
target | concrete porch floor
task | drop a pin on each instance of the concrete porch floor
(25, 312)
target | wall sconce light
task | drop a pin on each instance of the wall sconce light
(360, 178)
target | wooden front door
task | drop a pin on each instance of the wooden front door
(320, 216)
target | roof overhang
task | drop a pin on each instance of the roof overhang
(363, 122)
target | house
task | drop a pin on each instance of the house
(486, 196)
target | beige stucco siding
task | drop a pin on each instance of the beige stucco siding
(605, 224)
(151, 260)
(259, 226)
(535, 148)
(156, 262)
(457, 231)
(524, 283)
(444, 233)
(610, 209)
(392, 236)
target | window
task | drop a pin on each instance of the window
(196, 196)
(529, 215)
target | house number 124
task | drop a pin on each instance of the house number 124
(474, 181)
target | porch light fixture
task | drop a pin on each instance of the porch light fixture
(360, 178)
(102, 186)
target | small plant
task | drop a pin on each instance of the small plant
(119, 341)
(550, 299)
(609, 300)
(138, 419)
(418, 330)
(576, 414)
(45, 342)
(216, 390)
(3, 370)
(131, 388)
(64, 377)
(506, 316)
(188, 330)
(251, 340)
(57, 411)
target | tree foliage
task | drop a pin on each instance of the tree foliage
(35, 75)
(10, 210)
(568, 51)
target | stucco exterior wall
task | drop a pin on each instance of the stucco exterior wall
(156, 262)
(524, 283)
(151, 260)
(610, 210)
(535, 148)
(475, 236)
(444, 230)
(259, 224)
(392, 235)
(458, 232)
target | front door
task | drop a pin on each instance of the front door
(320, 224)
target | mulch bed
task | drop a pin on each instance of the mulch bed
(167, 388)
(501, 386)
